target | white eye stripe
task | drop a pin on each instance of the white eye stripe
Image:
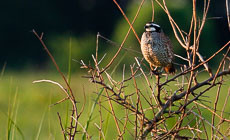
(148, 24)
(153, 24)
(156, 25)
(150, 29)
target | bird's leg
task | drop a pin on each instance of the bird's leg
(166, 74)
(154, 70)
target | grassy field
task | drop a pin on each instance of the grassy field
(25, 111)
(28, 105)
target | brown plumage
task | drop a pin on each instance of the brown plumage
(157, 48)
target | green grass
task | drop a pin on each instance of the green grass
(25, 111)
(31, 106)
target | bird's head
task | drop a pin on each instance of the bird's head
(152, 27)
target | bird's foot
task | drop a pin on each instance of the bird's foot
(155, 72)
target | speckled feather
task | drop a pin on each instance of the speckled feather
(157, 49)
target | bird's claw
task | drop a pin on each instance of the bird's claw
(155, 72)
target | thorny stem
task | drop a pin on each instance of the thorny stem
(62, 129)
(109, 100)
(174, 98)
(192, 76)
(197, 66)
(71, 97)
(170, 107)
(138, 103)
(156, 123)
(158, 89)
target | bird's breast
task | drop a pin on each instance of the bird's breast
(154, 50)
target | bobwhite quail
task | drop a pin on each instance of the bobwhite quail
(157, 48)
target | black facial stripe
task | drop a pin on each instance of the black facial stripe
(153, 25)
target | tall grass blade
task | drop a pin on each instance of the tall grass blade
(15, 125)
(40, 126)
(106, 123)
(69, 80)
(12, 113)
(15, 119)
(91, 114)
(70, 60)
(9, 123)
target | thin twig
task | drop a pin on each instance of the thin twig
(152, 10)
(73, 128)
(227, 11)
(53, 82)
(126, 18)
(62, 129)
(131, 27)
(53, 60)
(175, 97)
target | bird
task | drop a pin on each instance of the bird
(157, 48)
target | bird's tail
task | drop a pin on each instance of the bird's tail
(170, 69)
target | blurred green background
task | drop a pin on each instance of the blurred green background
(76, 23)
(82, 19)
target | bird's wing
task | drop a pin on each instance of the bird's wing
(167, 41)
